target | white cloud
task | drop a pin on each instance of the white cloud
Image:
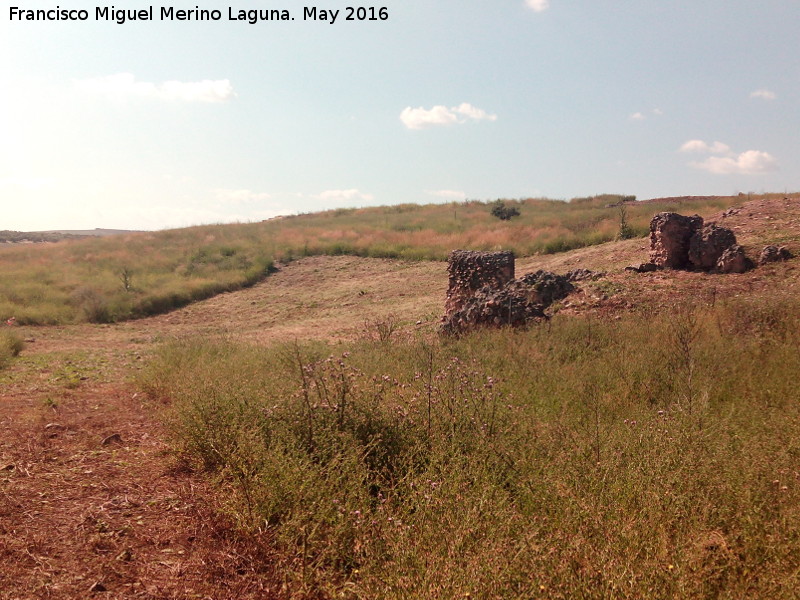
(538, 5)
(701, 146)
(344, 196)
(640, 116)
(752, 162)
(467, 110)
(421, 118)
(125, 84)
(765, 94)
(447, 194)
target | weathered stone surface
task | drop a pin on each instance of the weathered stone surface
(733, 260)
(708, 244)
(670, 236)
(542, 287)
(774, 254)
(471, 271)
(519, 302)
(647, 267)
(583, 275)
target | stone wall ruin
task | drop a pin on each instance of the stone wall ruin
(670, 237)
(483, 292)
(471, 271)
(680, 242)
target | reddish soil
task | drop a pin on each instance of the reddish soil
(92, 500)
(94, 503)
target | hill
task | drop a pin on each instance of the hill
(310, 436)
(120, 277)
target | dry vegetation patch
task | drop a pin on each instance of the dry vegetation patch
(598, 441)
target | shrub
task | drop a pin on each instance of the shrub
(92, 305)
(10, 346)
(504, 212)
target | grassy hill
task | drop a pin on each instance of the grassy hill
(130, 276)
(643, 443)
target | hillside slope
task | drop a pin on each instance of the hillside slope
(92, 497)
(344, 297)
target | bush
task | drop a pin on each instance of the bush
(10, 346)
(504, 212)
(92, 305)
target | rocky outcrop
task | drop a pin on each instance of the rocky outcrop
(481, 293)
(520, 302)
(679, 242)
(472, 271)
(733, 260)
(542, 287)
(774, 254)
(708, 244)
(670, 236)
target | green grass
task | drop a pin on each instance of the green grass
(654, 456)
(10, 346)
(117, 278)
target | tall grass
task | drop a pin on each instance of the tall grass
(114, 278)
(648, 457)
(10, 346)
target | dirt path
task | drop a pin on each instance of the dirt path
(93, 503)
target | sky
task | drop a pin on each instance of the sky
(154, 124)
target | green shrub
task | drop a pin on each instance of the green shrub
(10, 346)
(504, 212)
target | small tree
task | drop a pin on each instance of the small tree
(126, 277)
(625, 230)
(503, 212)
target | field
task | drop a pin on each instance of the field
(111, 279)
(310, 435)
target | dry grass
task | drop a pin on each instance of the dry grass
(611, 509)
(117, 278)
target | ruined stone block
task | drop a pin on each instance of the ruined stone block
(708, 244)
(470, 271)
(670, 236)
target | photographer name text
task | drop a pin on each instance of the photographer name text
(120, 16)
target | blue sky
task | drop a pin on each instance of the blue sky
(155, 124)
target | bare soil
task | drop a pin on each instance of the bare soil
(94, 503)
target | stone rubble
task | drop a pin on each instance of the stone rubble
(471, 271)
(500, 301)
(670, 236)
(680, 242)
(707, 246)
(774, 254)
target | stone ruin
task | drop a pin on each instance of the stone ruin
(681, 242)
(774, 254)
(471, 271)
(670, 237)
(483, 292)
